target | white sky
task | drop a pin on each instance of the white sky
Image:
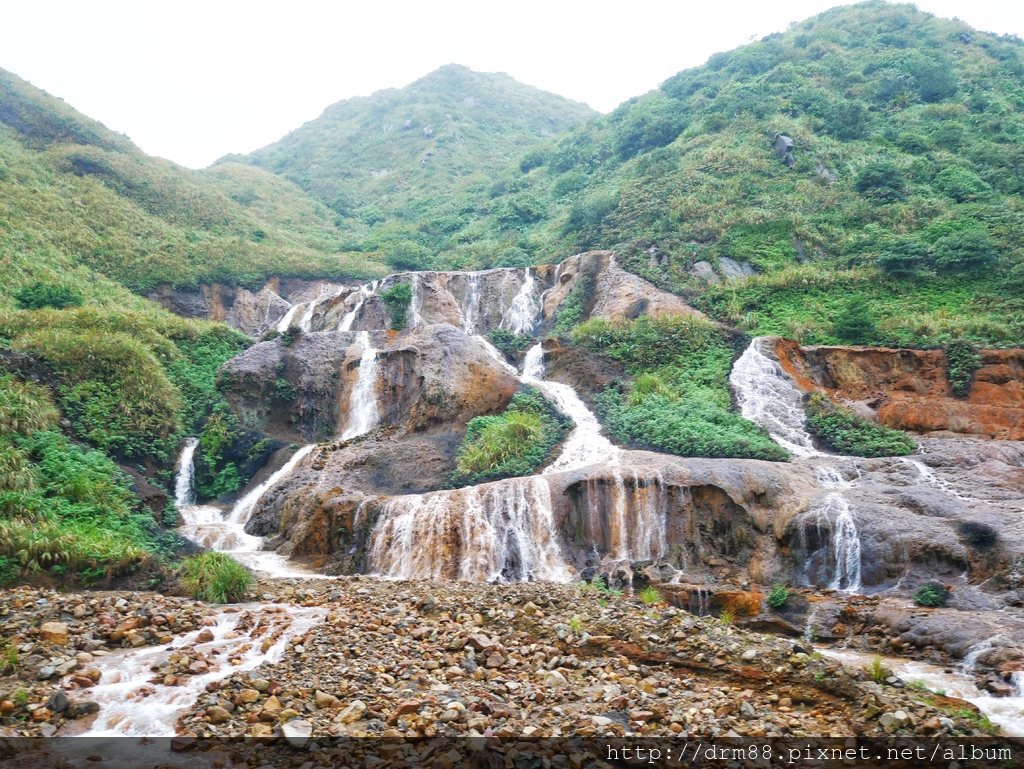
(192, 81)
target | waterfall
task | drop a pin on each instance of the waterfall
(835, 516)
(306, 321)
(416, 304)
(184, 495)
(533, 362)
(243, 509)
(523, 313)
(638, 521)
(350, 317)
(469, 308)
(362, 409)
(768, 398)
(286, 321)
(503, 530)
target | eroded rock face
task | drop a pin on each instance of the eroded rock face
(252, 314)
(909, 389)
(426, 377)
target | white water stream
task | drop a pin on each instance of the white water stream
(362, 408)
(285, 323)
(1005, 712)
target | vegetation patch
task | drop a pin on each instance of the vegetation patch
(778, 597)
(962, 360)
(931, 594)
(508, 343)
(679, 399)
(214, 577)
(845, 432)
(397, 299)
(513, 443)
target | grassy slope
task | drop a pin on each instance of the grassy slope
(404, 168)
(74, 194)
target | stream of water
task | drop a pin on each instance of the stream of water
(362, 409)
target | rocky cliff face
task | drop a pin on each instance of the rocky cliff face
(909, 389)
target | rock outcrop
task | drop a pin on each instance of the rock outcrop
(909, 389)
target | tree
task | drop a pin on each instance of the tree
(855, 324)
(961, 185)
(966, 251)
(882, 181)
(904, 258)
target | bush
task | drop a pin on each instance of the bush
(905, 258)
(961, 185)
(845, 432)
(397, 299)
(855, 324)
(574, 305)
(881, 181)
(511, 444)
(510, 343)
(645, 341)
(966, 251)
(214, 577)
(962, 361)
(39, 294)
(931, 594)
(779, 597)
(978, 535)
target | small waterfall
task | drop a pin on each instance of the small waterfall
(184, 495)
(362, 409)
(637, 523)
(469, 309)
(533, 362)
(416, 304)
(243, 509)
(306, 321)
(699, 601)
(523, 313)
(768, 398)
(504, 530)
(364, 293)
(835, 516)
(285, 323)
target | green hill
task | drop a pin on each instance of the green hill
(405, 168)
(902, 198)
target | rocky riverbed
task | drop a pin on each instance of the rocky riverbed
(409, 659)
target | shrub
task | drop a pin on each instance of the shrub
(961, 185)
(778, 597)
(904, 258)
(855, 324)
(285, 390)
(645, 341)
(511, 444)
(290, 335)
(847, 433)
(572, 309)
(978, 535)
(931, 594)
(881, 181)
(214, 577)
(962, 361)
(650, 595)
(966, 251)
(37, 295)
(397, 299)
(508, 342)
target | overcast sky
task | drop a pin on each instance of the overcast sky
(192, 81)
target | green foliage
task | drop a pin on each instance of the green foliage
(978, 535)
(650, 595)
(962, 361)
(397, 299)
(877, 671)
(845, 432)
(35, 296)
(778, 597)
(214, 577)
(194, 371)
(881, 181)
(931, 594)
(513, 443)
(510, 343)
(290, 335)
(961, 185)
(646, 341)
(571, 310)
(969, 251)
(285, 391)
(905, 257)
(727, 616)
(679, 400)
(855, 324)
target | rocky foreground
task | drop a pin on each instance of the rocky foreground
(402, 660)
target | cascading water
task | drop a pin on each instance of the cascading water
(834, 515)
(362, 410)
(207, 525)
(637, 521)
(285, 323)
(364, 293)
(416, 303)
(469, 309)
(585, 444)
(522, 314)
(767, 398)
(503, 530)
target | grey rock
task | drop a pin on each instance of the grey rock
(704, 271)
(733, 270)
(783, 146)
(58, 702)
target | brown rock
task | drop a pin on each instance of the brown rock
(55, 633)
(409, 706)
(217, 714)
(205, 636)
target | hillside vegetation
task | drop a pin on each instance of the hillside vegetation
(405, 171)
(900, 202)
